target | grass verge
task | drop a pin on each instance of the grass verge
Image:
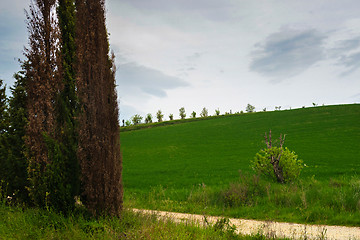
(332, 202)
(26, 223)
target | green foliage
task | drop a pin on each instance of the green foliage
(4, 125)
(182, 113)
(57, 182)
(204, 113)
(148, 118)
(127, 123)
(159, 116)
(3, 109)
(250, 108)
(217, 112)
(193, 114)
(15, 173)
(67, 106)
(171, 116)
(289, 163)
(136, 119)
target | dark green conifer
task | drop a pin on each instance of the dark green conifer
(3, 130)
(14, 142)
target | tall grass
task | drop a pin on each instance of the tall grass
(27, 223)
(333, 202)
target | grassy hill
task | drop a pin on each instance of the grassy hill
(212, 151)
(193, 166)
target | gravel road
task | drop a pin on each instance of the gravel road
(268, 228)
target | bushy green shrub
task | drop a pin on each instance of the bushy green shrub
(289, 163)
(159, 116)
(182, 113)
(148, 118)
(204, 112)
(136, 119)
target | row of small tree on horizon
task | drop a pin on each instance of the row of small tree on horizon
(137, 118)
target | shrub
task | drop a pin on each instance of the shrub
(250, 108)
(289, 163)
(182, 113)
(193, 114)
(217, 112)
(127, 123)
(148, 118)
(159, 116)
(204, 112)
(136, 119)
(171, 116)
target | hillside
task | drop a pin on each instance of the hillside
(213, 150)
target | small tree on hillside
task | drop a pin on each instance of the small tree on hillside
(204, 112)
(217, 112)
(159, 116)
(193, 114)
(250, 108)
(171, 116)
(148, 118)
(136, 119)
(182, 113)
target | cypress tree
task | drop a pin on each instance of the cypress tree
(42, 77)
(64, 145)
(99, 143)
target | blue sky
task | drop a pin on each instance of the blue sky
(219, 53)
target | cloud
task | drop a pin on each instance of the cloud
(13, 36)
(351, 62)
(213, 10)
(347, 54)
(148, 80)
(356, 97)
(287, 53)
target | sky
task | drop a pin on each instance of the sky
(219, 54)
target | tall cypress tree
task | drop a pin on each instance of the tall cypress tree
(67, 102)
(42, 85)
(99, 143)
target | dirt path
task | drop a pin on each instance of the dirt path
(268, 228)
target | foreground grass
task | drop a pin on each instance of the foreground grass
(333, 202)
(190, 166)
(18, 223)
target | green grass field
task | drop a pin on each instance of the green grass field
(173, 162)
